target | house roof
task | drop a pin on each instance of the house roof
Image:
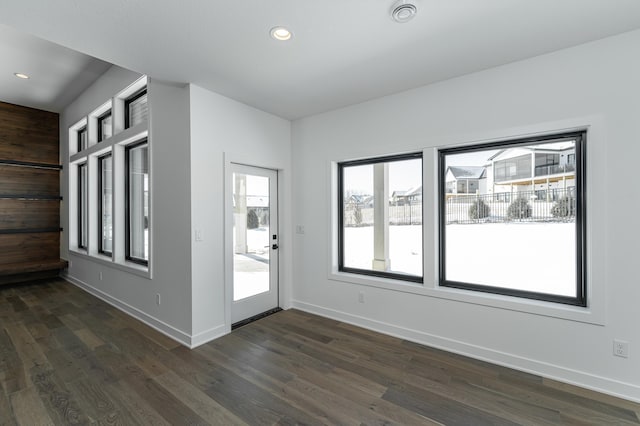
(467, 172)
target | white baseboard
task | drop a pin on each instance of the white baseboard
(164, 328)
(208, 335)
(582, 379)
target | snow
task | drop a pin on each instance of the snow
(538, 257)
(405, 248)
(251, 270)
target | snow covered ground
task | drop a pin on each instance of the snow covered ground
(525, 256)
(405, 248)
(251, 271)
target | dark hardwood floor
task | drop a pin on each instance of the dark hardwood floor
(68, 358)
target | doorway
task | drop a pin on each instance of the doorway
(254, 228)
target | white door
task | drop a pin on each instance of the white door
(255, 241)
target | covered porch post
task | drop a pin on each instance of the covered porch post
(240, 213)
(381, 260)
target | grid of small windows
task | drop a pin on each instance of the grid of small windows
(98, 190)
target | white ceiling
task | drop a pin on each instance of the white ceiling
(343, 51)
(58, 75)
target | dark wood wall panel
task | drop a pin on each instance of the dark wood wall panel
(29, 214)
(32, 181)
(28, 248)
(29, 194)
(28, 134)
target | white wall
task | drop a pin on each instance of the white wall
(594, 84)
(226, 130)
(170, 210)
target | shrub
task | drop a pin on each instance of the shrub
(478, 210)
(564, 207)
(252, 220)
(357, 214)
(519, 209)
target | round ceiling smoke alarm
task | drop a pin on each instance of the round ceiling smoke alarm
(403, 12)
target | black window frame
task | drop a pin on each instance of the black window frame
(127, 102)
(127, 194)
(341, 203)
(100, 119)
(101, 249)
(82, 205)
(580, 299)
(82, 130)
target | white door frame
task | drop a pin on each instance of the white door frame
(229, 160)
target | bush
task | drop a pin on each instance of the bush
(357, 214)
(564, 207)
(478, 210)
(519, 209)
(252, 220)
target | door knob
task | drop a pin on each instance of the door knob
(275, 246)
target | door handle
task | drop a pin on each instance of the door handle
(275, 247)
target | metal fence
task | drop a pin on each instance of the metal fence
(554, 205)
(360, 214)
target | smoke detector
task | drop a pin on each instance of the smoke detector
(402, 11)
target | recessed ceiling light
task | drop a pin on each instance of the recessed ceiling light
(280, 33)
(21, 75)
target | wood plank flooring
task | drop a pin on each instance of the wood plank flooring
(68, 358)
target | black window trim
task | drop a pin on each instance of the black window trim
(361, 162)
(101, 250)
(127, 231)
(80, 206)
(79, 138)
(581, 277)
(127, 102)
(100, 119)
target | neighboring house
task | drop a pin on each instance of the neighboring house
(544, 171)
(361, 200)
(410, 196)
(398, 198)
(464, 179)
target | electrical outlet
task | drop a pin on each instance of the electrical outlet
(158, 299)
(300, 229)
(621, 348)
(361, 297)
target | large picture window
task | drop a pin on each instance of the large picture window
(380, 217)
(137, 200)
(522, 231)
(83, 206)
(105, 208)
